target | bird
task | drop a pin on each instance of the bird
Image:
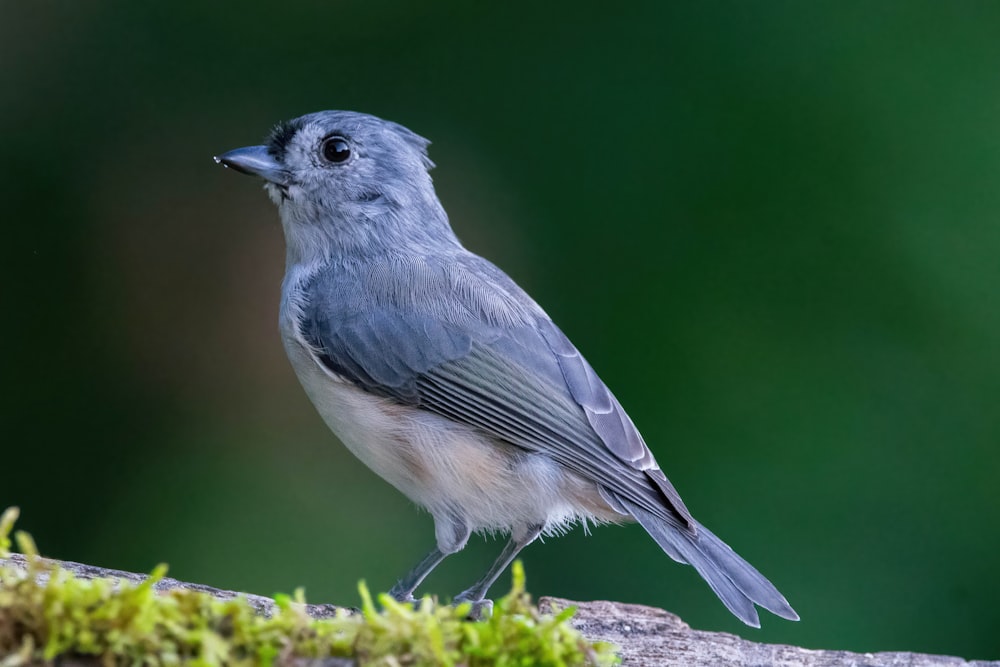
(437, 371)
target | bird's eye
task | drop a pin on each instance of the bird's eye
(336, 149)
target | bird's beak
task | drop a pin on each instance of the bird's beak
(256, 161)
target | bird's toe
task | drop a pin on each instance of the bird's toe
(481, 609)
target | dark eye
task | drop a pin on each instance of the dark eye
(336, 149)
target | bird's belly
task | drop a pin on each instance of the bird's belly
(449, 468)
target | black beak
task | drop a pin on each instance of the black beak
(256, 161)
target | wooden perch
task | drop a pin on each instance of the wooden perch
(646, 636)
(651, 636)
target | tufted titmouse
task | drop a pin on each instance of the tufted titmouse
(443, 376)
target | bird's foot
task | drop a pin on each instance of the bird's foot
(481, 608)
(401, 595)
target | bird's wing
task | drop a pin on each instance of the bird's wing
(514, 376)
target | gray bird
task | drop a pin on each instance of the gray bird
(443, 376)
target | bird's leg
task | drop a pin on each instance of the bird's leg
(403, 590)
(452, 533)
(476, 594)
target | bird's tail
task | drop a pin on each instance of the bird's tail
(737, 583)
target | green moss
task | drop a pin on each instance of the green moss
(46, 612)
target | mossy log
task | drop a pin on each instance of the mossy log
(644, 635)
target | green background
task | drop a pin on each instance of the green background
(771, 227)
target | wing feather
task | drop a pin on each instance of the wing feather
(491, 360)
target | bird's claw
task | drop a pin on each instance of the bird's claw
(402, 596)
(480, 610)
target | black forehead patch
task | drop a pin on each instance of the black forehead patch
(281, 136)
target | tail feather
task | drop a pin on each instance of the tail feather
(737, 583)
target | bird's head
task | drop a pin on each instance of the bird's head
(347, 178)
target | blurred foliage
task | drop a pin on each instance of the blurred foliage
(772, 227)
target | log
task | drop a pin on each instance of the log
(646, 636)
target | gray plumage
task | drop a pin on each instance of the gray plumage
(443, 376)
